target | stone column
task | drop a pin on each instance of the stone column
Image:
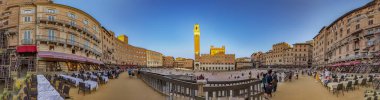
(201, 84)
(214, 93)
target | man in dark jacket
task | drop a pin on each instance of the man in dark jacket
(268, 85)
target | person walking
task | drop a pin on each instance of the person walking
(268, 85)
(290, 76)
(275, 81)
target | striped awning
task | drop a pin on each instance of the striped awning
(64, 56)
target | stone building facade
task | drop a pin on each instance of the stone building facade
(137, 56)
(258, 59)
(217, 60)
(184, 63)
(42, 36)
(154, 59)
(243, 63)
(168, 61)
(284, 55)
(351, 39)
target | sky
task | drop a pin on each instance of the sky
(243, 26)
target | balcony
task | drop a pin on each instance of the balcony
(65, 23)
(70, 25)
(50, 39)
(89, 34)
(27, 42)
(356, 49)
(370, 43)
(373, 31)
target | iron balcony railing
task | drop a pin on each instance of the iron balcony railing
(65, 22)
(67, 41)
(51, 39)
(69, 23)
(27, 41)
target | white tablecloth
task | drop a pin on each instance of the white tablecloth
(332, 85)
(345, 83)
(85, 75)
(93, 76)
(105, 78)
(73, 79)
(45, 90)
(350, 78)
(92, 84)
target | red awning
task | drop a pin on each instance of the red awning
(26, 49)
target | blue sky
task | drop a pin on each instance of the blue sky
(243, 26)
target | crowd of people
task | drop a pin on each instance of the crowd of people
(354, 69)
(348, 78)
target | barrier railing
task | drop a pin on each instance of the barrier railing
(27, 41)
(250, 89)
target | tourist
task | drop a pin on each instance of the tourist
(275, 81)
(263, 80)
(129, 72)
(268, 85)
(290, 76)
(283, 76)
(258, 76)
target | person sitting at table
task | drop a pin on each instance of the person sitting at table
(326, 81)
(81, 71)
(335, 80)
(341, 78)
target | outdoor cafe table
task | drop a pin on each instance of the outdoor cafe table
(345, 83)
(73, 79)
(350, 78)
(371, 93)
(332, 85)
(92, 84)
(94, 76)
(105, 78)
(45, 90)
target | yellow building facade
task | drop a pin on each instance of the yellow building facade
(215, 50)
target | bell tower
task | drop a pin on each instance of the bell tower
(197, 48)
(197, 34)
